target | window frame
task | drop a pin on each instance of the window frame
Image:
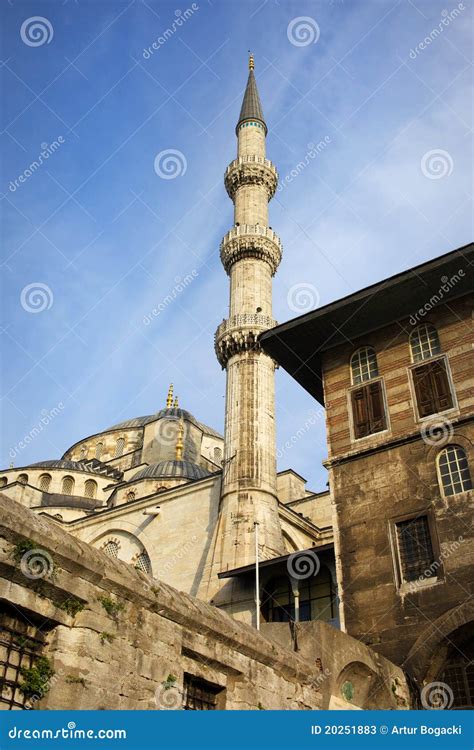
(410, 338)
(430, 417)
(438, 577)
(438, 471)
(352, 431)
(366, 347)
(196, 682)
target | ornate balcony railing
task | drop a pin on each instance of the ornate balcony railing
(245, 320)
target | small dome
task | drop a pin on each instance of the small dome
(172, 470)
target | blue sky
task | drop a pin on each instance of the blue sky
(109, 238)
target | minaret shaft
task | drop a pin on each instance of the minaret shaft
(250, 253)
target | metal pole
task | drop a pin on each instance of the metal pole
(257, 578)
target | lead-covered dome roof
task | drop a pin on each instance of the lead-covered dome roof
(172, 470)
(170, 413)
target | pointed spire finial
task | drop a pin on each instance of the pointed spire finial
(176, 403)
(169, 398)
(179, 442)
(251, 61)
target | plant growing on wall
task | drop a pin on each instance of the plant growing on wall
(36, 678)
(111, 607)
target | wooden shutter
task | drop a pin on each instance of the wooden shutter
(376, 407)
(360, 412)
(432, 390)
(440, 385)
(368, 409)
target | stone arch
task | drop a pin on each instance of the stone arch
(421, 662)
(361, 686)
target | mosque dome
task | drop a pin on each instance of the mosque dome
(168, 413)
(172, 470)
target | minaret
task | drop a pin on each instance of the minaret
(250, 253)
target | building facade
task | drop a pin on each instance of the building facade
(393, 367)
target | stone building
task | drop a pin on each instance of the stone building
(165, 544)
(393, 367)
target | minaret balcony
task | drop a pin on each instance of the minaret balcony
(251, 170)
(251, 241)
(240, 333)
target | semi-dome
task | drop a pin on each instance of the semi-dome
(172, 470)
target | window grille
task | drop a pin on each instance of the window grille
(415, 549)
(199, 695)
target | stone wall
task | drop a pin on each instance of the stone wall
(135, 638)
(118, 639)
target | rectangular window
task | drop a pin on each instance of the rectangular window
(368, 410)
(415, 549)
(200, 695)
(432, 388)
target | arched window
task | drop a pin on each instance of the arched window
(424, 343)
(217, 456)
(119, 446)
(3, 481)
(23, 478)
(454, 470)
(111, 548)
(45, 482)
(90, 488)
(67, 486)
(83, 452)
(143, 562)
(99, 448)
(363, 365)
(130, 495)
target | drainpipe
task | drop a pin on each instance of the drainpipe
(257, 579)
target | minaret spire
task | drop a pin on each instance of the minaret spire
(250, 254)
